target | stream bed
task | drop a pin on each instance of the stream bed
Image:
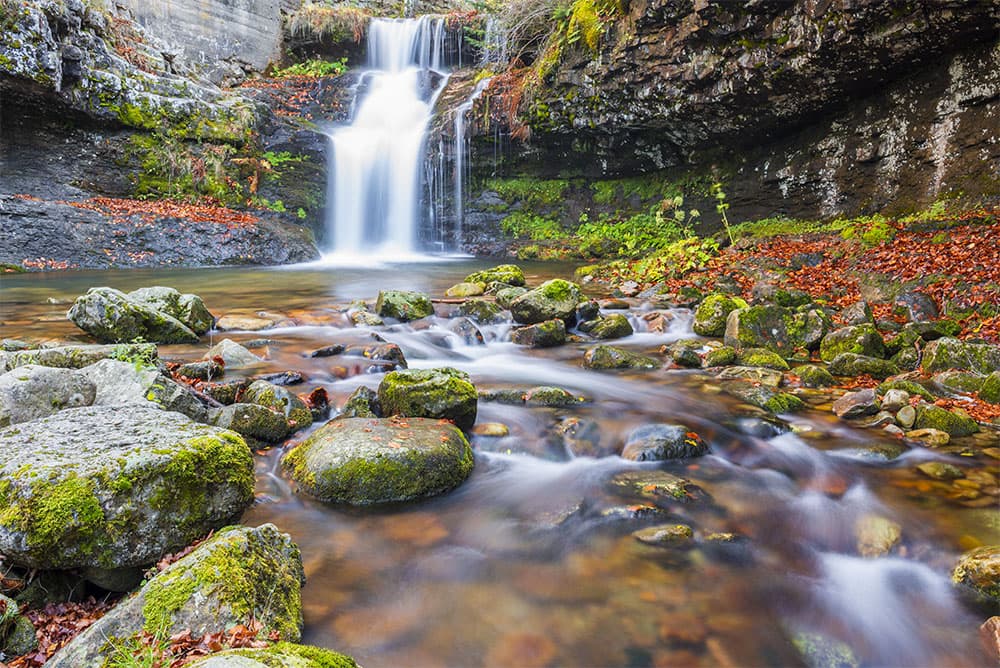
(532, 561)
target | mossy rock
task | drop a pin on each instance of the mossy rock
(764, 397)
(546, 334)
(279, 655)
(614, 326)
(20, 638)
(949, 353)
(77, 357)
(361, 461)
(908, 386)
(905, 340)
(773, 327)
(609, 357)
(551, 397)
(655, 485)
(363, 403)
(935, 417)
(990, 389)
(432, 393)
(465, 290)
(815, 376)
(281, 400)
(239, 574)
(510, 274)
(253, 421)
(666, 535)
(506, 296)
(857, 339)
(723, 356)
(761, 357)
(849, 364)
(482, 312)
(116, 487)
(657, 442)
(957, 382)
(31, 392)
(710, 316)
(979, 570)
(553, 299)
(820, 651)
(111, 317)
(403, 305)
(187, 308)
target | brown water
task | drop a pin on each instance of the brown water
(531, 561)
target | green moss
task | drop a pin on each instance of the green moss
(525, 225)
(533, 193)
(784, 403)
(723, 356)
(509, 274)
(907, 386)
(815, 376)
(761, 357)
(435, 393)
(56, 513)
(935, 417)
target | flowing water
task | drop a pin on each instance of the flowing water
(531, 561)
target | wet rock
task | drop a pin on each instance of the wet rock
(666, 535)
(761, 357)
(906, 385)
(723, 356)
(546, 334)
(279, 655)
(327, 351)
(990, 389)
(941, 471)
(581, 437)
(768, 377)
(283, 378)
(876, 535)
(510, 274)
(553, 299)
(615, 305)
(233, 355)
(110, 316)
(906, 416)
(491, 430)
(949, 353)
(656, 442)
(467, 331)
(243, 323)
(857, 339)
(513, 397)
(989, 635)
(551, 397)
(369, 461)
(930, 438)
(226, 393)
(820, 651)
(434, 393)
(979, 570)
(365, 318)
(655, 485)
(253, 421)
(187, 308)
(760, 427)
(77, 357)
(614, 326)
(771, 327)
(116, 487)
(710, 316)
(465, 290)
(764, 397)
(850, 364)
(609, 357)
(916, 306)
(363, 403)
(587, 311)
(686, 357)
(31, 392)
(482, 311)
(238, 574)
(815, 376)
(893, 400)
(281, 401)
(856, 404)
(880, 419)
(403, 305)
(507, 296)
(205, 370)
(858, 313)
(934, 417)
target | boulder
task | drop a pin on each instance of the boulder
(957, 382)
(764, 397)
(121, 383)
(116, 487)
(858, 339)
(553, 299)
(77, 357)
(815, 376)
(710, 316)
(232, 354)
(465, 290)
(506, 296)
(614, 326)
(856, 404)
(403, 305)
(849, 364)
(979, 570)
(482, 312)
(110, 316)
(278, 655)
(509, 274)
(363, 403)
(761, 357)
(280, 400)
(238, 575)
(433, 393)
(551, 397)
(764, 376)
(609, 357)
(188, 309)
(656, 442)
(546, 334)
(934, 417)
(362, 461)
(773, 327)
(655, 485)
(949, 353)
(858, 313)
(722, 356)
(32, 391)
(253, 421)
(990, 389)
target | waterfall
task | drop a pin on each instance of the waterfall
(461, 150)
(375, 165)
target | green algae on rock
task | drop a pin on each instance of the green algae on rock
(979, 569)
(281, 400)
(710, 316)
(949, 353)
(509, 274)
(361, 461)
(547, 334)
(432, 393)
(857, 339)
(552, 299)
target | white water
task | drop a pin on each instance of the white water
(461, 150)
(375, 166)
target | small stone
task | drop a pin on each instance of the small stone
(655, 442)
(327, 351)
(723, 356)
(614, 326)
(876, 535)
(764, 376)
(940, 471)
(894, 400)
(856, 404)
(233, 355)
(906, 416)
(935, 417)
(245, 323)
(815, 376)
(608, 357)
(403, 305)
(491, 430)
(761, 357)
(931, 438)
(466, 290)
(989, 634)
(546, 334)
(666, 535)
(550, 397)
(686, 357)
(880, 419)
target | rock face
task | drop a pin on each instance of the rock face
(111, 316)
(238, 574)
(116, 487)
(368, 461)
(31, 392)
(433, 393)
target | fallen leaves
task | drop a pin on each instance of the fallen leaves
(56, 624)
(125, 211)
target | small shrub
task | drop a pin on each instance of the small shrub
(314, 68)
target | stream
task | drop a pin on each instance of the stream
(532, 560)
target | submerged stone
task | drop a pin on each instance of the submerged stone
(666, 535)
(949, 353)
(278, 655)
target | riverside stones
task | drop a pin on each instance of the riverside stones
(362, 461)
(614, 326)
(948, 353)
(111, 316)
(232, 354)
(856, 404)
(710, 316)
(857, 339)
(508, 274)
(546, 334)
(77, 357)
(116, 487)
(609, 357)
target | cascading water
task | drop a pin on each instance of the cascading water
(375, 165)
(461, 151)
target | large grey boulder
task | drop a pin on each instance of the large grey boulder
(116, 487)
(710, 316)
(110, 316)
(237, 575)
(856, 339)
(79, 356)
(431, 393)
(253, 421)
(232, 354)
(950, 353)
(773, 327)
(120, 383)
(362, 461)
(552, 299)
(32, 391)
(187, 308)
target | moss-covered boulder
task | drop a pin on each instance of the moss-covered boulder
(460, 290)
(935, 417)
(111, 317)
(908, 386)
(403, 305)
(432, 393)
(506, 296)
(510, 274)
(77, 357)
(552, 299)
(609, 357)
(614, 326)
(656, 442)
(710, 316)
(278, 655)
(764, 397)
(849, 364)
(253, 421)
(761, 357)
(119, 383)
(773, 327)
(116, 487)
(949, 353)
(957, 382)
(31, 392)
(187, 308)
(990, 389)
(546, 334)
(281, 400)
(979, 570)
(814, 376)
(721, 356)
(857, 339)
(362, 403)
(362, 461)
(482, 312)
(238, 575)
(551, 397)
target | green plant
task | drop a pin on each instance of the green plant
(684, 219)
(138, 355)
(522, 224)
(301, 213)
(721, 206)
(314, 68)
